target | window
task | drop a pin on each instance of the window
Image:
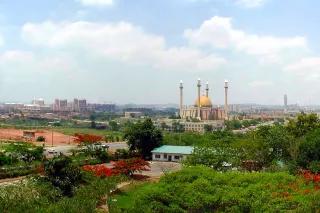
(157, 156)
(165, 156)
(176, 157)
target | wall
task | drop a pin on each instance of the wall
(162, 157)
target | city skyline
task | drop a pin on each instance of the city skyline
(123, 52)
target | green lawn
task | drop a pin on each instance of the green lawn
(123, 200)
(72, 131)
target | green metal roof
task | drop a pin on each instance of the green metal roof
(173, 149)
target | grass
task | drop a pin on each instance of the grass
(124, 198)
(72, 131)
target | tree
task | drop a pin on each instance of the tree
(233, 124)
(208, 128)
(309, 149)
(276, 141)
(93, 120)
(303, 124)
(62, 174)
(143, 137)
(114, 126)
(130, 166)
(41, 139)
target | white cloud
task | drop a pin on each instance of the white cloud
(308, 68)
(1, 41)
(15, 56)
(98, 3)
(218, 32)
(119, 42)
(250, 3)
(256, 84)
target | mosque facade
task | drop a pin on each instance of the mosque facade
(203, 109)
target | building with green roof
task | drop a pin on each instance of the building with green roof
(171, 153)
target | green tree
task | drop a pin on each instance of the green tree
(143, 137)
(114, 126)
(62, 174)
(93, 120)
(303, 124)
(309, 149)
(208, 128)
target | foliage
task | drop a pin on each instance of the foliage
(62, 174)
(303, 124)
(41, 139)
(238, 124)
(199, 189)
(114, 126)
(99, 170)
(309, 149)
(121, 154)
(208, 128)
(35, 195)
(143, 137)
(87, 138)
(130, 166)
(214, 155)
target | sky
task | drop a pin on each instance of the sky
(125, 51)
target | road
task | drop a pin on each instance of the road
(65, 149)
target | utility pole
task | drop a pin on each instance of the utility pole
(52, 136)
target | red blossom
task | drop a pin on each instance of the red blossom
(99, 170)
(87, 138)
(128, 167)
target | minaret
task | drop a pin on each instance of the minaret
(181, 98)
(207, 89)
(199, 88)
(226, 99)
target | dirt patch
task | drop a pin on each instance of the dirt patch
(57, 137)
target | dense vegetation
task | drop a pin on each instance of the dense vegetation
(37, 195)
(200, 189)
(143, 137)
(283, 147)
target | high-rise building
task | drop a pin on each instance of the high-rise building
(79, 105)
(285, 101)
(60, 105)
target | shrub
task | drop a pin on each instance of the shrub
(200, 189)
(41, 139)
(62, 174)
(130, 166)
(99, 170)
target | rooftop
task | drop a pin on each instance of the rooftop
(173, 149)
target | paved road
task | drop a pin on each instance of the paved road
(65, 149)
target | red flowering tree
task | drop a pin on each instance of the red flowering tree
(310, 177)
(99, 170)
(130, 166)
(87, 138)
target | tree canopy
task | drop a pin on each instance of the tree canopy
(143, 137)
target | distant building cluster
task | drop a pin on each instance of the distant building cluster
(59, 105)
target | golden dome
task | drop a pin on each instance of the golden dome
(204, 102)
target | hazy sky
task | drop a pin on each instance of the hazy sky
(137, 51)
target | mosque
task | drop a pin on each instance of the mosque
(203, 109)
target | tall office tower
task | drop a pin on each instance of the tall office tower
(226, 86)
(285, 102)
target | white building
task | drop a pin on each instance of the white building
(171, 153)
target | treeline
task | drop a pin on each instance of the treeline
(291, 146)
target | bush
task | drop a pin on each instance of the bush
(200, 189)
(309, 149)
(41, 139)
(62, 174)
